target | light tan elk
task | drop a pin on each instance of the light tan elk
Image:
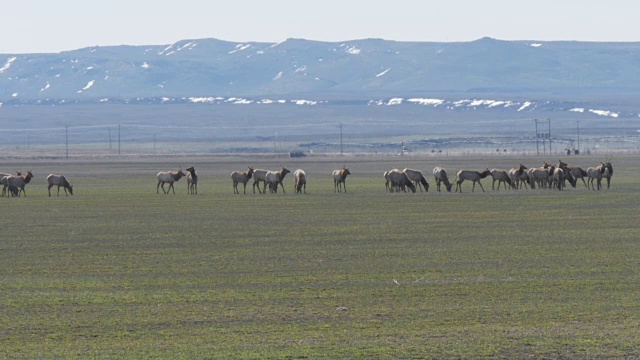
(192, 181)
(417, 178)
(260, 175)
(299, 181)
(399, 181)
(241, 177)
(596, 173)
(501, 176)
(440, 174)
(539, 175)
(19, 182)
(339, 179)
(387, 182)
(59, 180)
(518, 176)
(168, 177)
(4, 181)
(473, 176)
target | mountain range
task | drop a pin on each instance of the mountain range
(361, 70)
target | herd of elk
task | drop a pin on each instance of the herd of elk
(547, 176)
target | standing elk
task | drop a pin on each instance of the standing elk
(539, 175)
(59, 180)
(260, 175)
(440, 174)
(518, 176)
(596, 173)
(609, 173)
(241, 177)
(18, 182)
(192, 181)
(400, 181)
(4, 181)
(417, 178)
(299, 181)
(501, 176)
(168, 177)
(339, 179)
(471, 175)
(386, 181)
(558, 178)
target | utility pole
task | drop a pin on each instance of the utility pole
(549, 133)
(537, 148)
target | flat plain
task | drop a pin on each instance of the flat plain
(118, 271)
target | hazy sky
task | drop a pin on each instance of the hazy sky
(28, 26)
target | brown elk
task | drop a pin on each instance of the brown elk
(241, 177)
(339, 179)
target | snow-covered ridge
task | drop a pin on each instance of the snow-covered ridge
(7, 65)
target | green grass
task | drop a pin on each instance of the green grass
(117, 271)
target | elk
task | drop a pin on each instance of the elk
(259, 175)
(609, 172)
(272, 179)
(440, 174)
(539, 175)
(471, 175)
(386, 180)
(241, 177)
(399, 181)
(19, 182)
(339, 179)
(192, 181)
(59, 180)
(300, 181)
(4, 180)
(518, 176)
(168, 177)
(417, 178)
(501, 176)
(596, 173)
(558, 178)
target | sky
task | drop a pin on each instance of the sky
(45, 26)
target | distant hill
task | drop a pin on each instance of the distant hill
(360, 70)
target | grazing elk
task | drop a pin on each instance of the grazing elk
(59, 180)
(417, 178)
(399, 181)
(168, 177)
(241, 177)
(19, 182)
(471, 175)
(578, 173)
(299, 181)
(440, 174)
(339, 179)
(501, 176)
(192, 181)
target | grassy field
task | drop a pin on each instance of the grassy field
(117, 271)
